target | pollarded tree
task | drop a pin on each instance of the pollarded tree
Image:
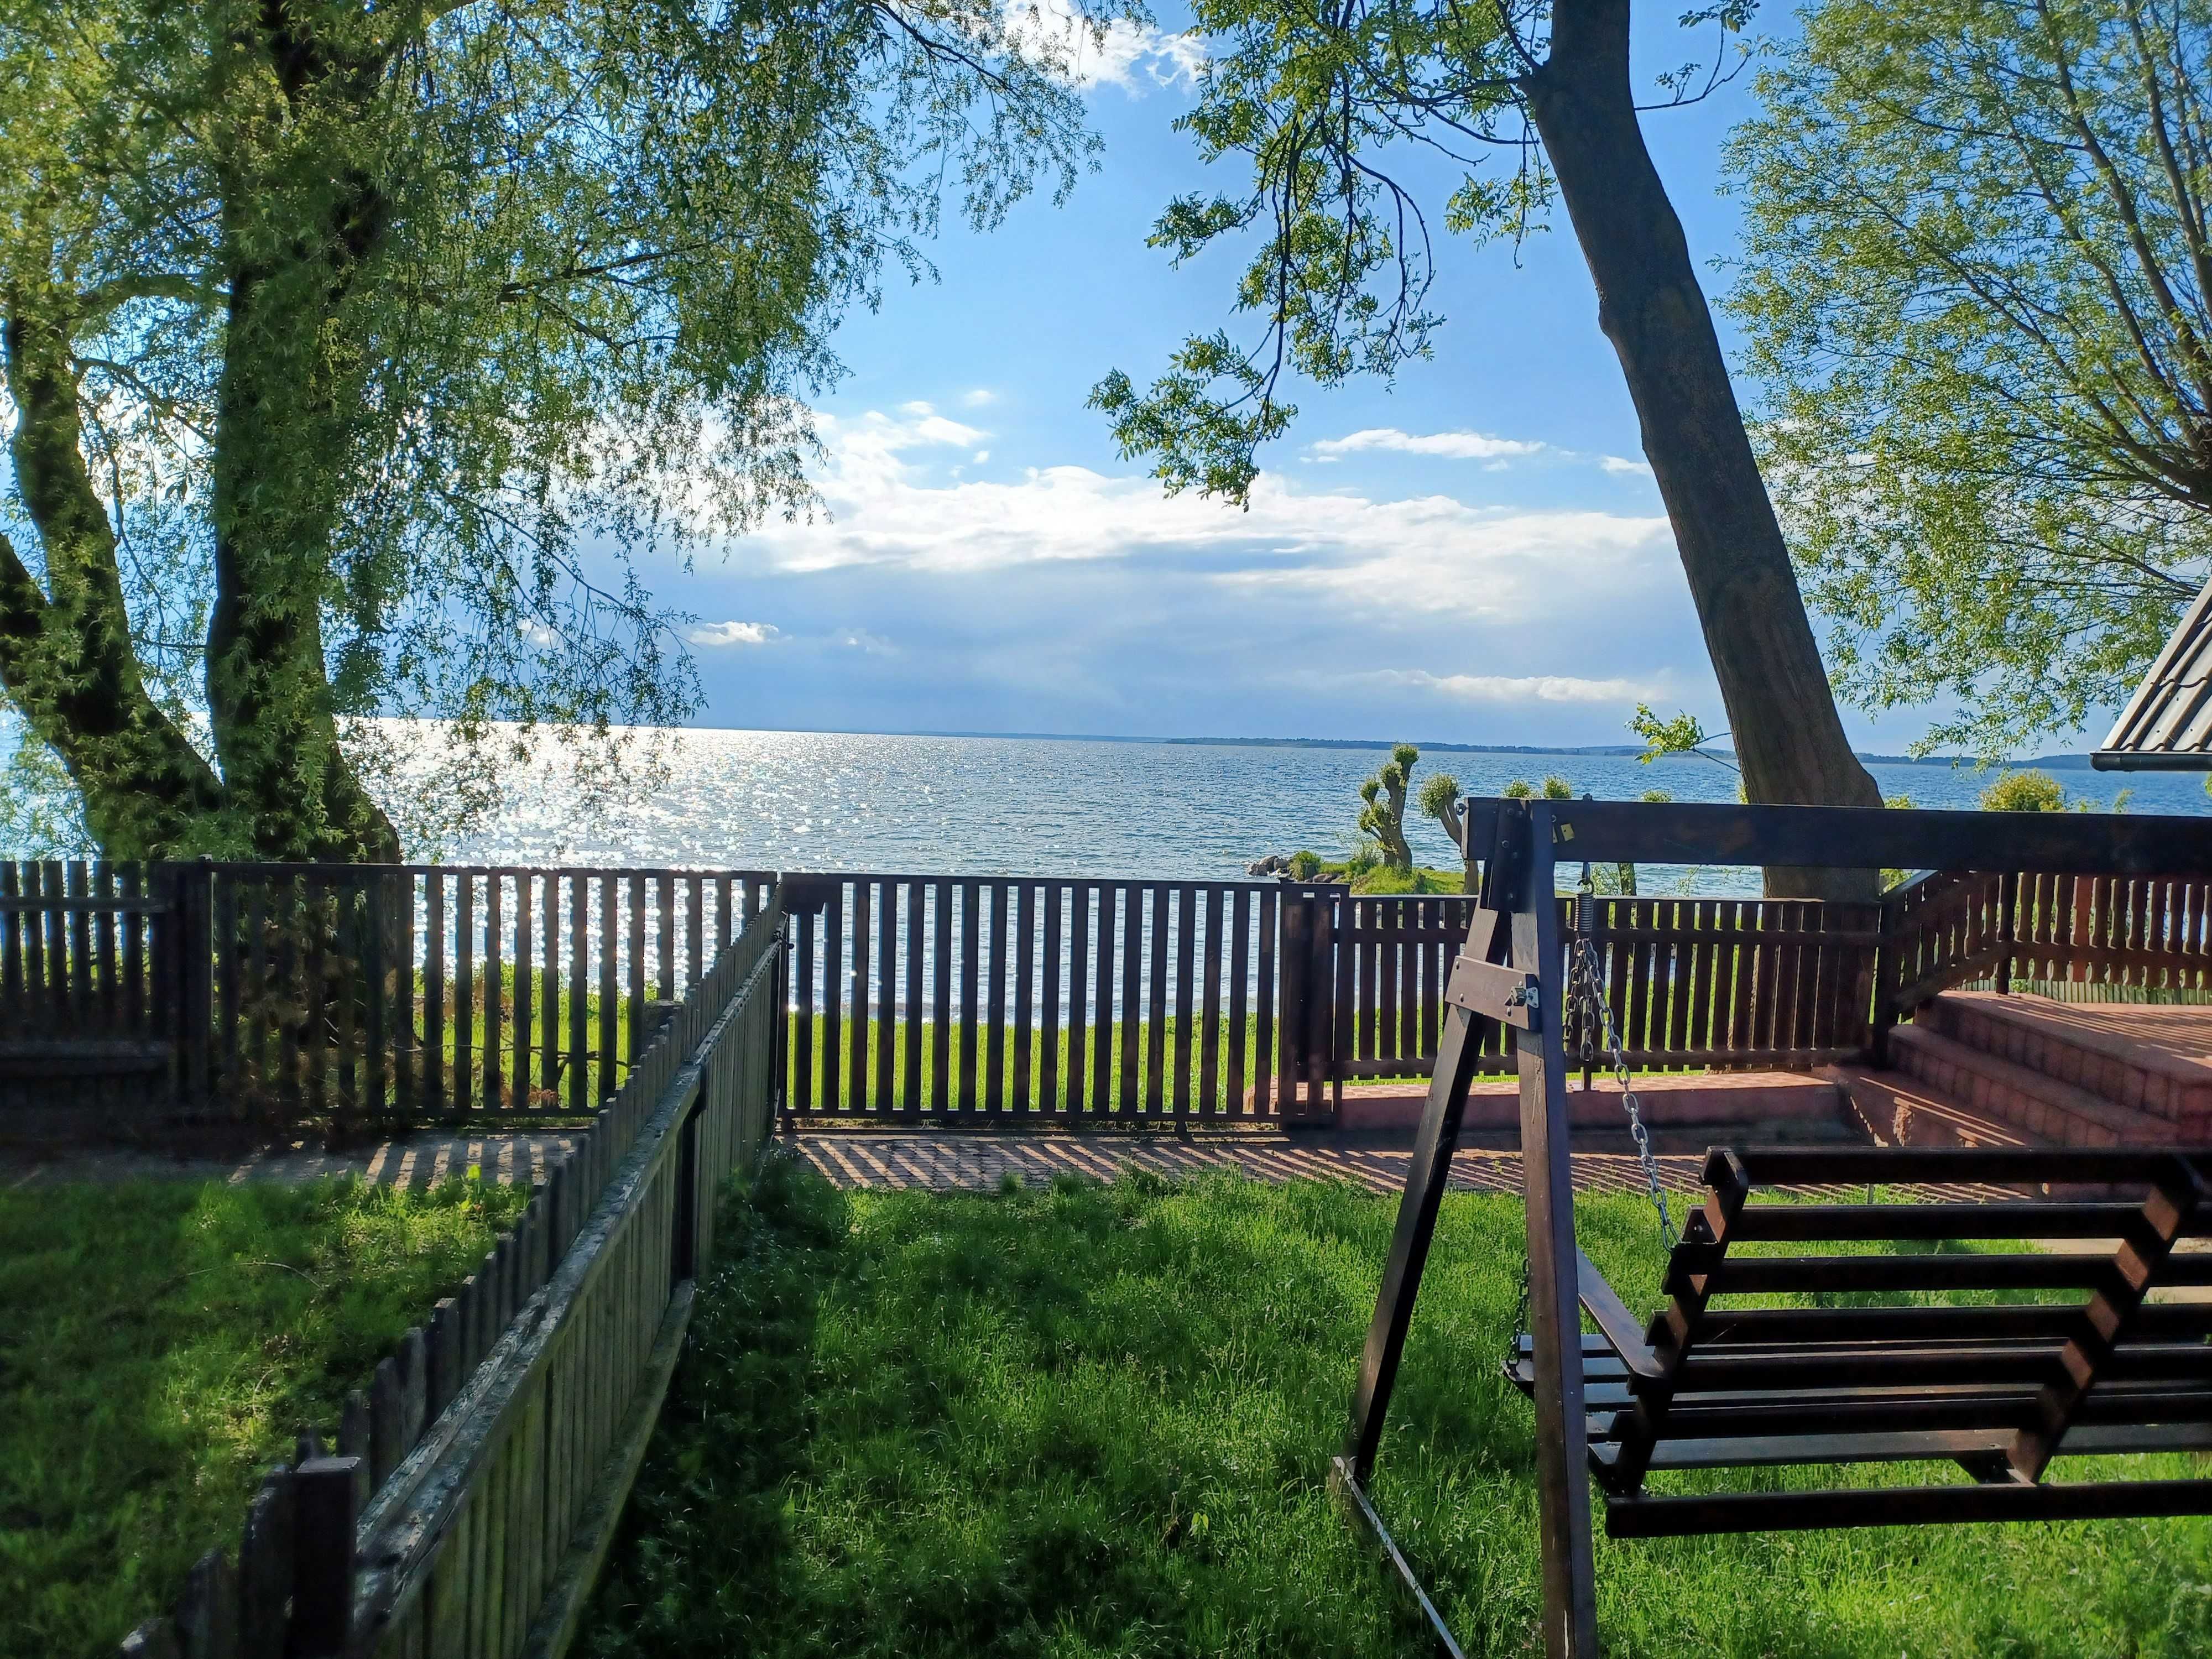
(354, 350)
(1978, 285)
(1321, 103)
(1383, 815)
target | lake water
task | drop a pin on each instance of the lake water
(804, 801)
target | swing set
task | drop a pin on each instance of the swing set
(2079, 1360)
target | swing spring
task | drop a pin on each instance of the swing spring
(1597, 1021)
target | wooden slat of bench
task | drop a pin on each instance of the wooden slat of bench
(1925, 1444)
(1919, 1407)
(1893, 1365)
(1996, 1166)
(2054, 1321)
(1755, 1413)
(1889, 1506)
(2026, 1219)
(1786, 1378)
(1964, 1271)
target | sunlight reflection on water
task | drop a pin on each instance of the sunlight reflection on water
(803, 800)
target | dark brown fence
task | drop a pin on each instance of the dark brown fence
(273, 994)
(1692, 982)
(474, 1485)
(87, 951)
(956, 998)
(962, 996)
(270, 992)
(2144, 935)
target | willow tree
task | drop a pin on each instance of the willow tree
(357, 353)
(1977, 286)
(1320, 105)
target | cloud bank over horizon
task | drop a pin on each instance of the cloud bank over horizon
(935, 589)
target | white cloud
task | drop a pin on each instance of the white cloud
(1134, 56)
(1431, 554)
(981, 398)
(733, 632)
(1514, 688)
(1622, 464)
(1454, 446)
(981, 456)
(535, 633)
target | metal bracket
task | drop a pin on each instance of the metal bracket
(1509, 995)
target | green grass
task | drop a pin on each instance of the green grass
(160, 1346)
(814, 1037)
(1091, 1421)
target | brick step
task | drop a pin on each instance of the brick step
(2131, 1066)
(1744, 1105)
(1899, 1110)
(2056, 1112)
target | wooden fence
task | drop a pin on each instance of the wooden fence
(960, 996)
(271, 992)
(2132, 937)
(475, 1486)
(955, 998)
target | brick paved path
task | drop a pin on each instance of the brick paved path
(955, 1162)
(935, 1162)
(413, 1161)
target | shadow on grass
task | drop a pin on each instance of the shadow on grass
(160, 1345)
(1096, 1420)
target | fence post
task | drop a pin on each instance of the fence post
(2008, 897)
(326, 1509)
(195, 979)
(778, 1042)
(1294, 959)
(1322, 1033)
(1886, 957)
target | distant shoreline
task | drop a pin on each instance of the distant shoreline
(2049, 763)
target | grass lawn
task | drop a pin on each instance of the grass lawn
(1091, 1421)
(160, 1346)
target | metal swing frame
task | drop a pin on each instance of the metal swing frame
(1511, 973)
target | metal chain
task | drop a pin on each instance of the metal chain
(1592, 998)
(1594, 1015)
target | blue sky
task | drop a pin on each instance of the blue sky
(1475, 554)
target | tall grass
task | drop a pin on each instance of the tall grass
(1092, 1420)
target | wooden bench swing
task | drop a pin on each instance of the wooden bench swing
(2090, 1365)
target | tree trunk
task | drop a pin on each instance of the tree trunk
(66, 656)
(1789, 736)
(283, 438)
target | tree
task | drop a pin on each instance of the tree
(2027, 791)
(350, 346)
(1320, 103)
(1383, 816)
(1977, 286)
(1684, 734)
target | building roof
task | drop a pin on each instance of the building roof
(2168, 725)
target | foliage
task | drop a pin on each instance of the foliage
(1684, 734)
(160, 1345)
(1340, 114)
(1304, 866)
(1975, 290)
(1554, 788)
(1383, 813)
(1439, 798)
(360, 357)
(1085, 1420)
(2027, 791)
